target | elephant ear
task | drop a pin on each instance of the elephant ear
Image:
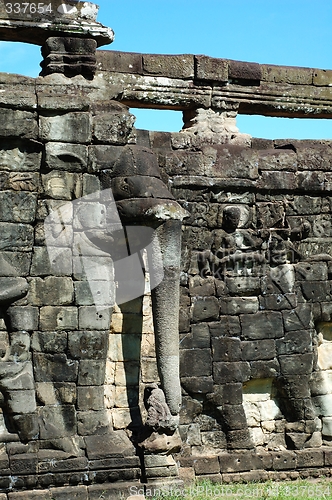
(85, 237)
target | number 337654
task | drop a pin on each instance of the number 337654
(28, 8)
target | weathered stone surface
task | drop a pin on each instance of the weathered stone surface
(56, 368)
(17, 123)
(226, 349)
(57, 422)
(16, 236)
(88, 344)
(258, 350)
(58, 318)
(113, 128)
(64, 156)
(231, 372)
(70, 127)
(120, 62)
(262, 325)
(196, 362)
(51, 291)
(287, 74)
(179, 66)
(211, 69)
(91, 372)
(238, 70)
(49, 342)
(238, 305)
(61, 185)
(205, 309)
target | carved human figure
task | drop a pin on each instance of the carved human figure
(16, 371)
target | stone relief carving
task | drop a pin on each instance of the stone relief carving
(267, 263)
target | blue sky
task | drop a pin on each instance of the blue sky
(288, 32)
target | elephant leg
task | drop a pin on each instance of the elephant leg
(166, 250)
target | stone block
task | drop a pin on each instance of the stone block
(55, 393)
(17, 123)
(74, 493)
(17, 376)
(95, 422)
(238, 70)
(54, 368)
(127, 373)
(243, 285)
(91, 266)
(229, 326)
(265, 369)
(90, 318)
(278, 302)
(322, 77)
(90, 398)
(195, 362)
(207, 465)
(16, 236)
(316, 291)
(211, 69)
(105, 158)
(114, 490)
(284, 460)
(62, 185)
(262, 325)
(226, 349)
(296, 364)
(233, 416)
(294, 386)
(14, 263)
(298, 319)
(96, 293)
(21, 401)
(236, 462)
(91, 186)
(65, 156)
(205, 309)
(233, 372)
(58, 318)
(88, 344)
(256, 350)
(17, 206)
(198, 338)
(125, 397)
(115, 444)
(70, 127)
(113, 128)
(30, 495)
(238, 305)
(239, 439)
(57, 421)
(278, 180)
(287, 74)
(91, 372)
(295, 342)
(23, 318)
(89, 215)
(49, 342)
(17, 155)
(197, 385)
(310, 458)
(124, 347)
(59, 265)
(119, 62)
(311, 271)
(51, 291)
(171, 66)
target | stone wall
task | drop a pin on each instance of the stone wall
(255, 291)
